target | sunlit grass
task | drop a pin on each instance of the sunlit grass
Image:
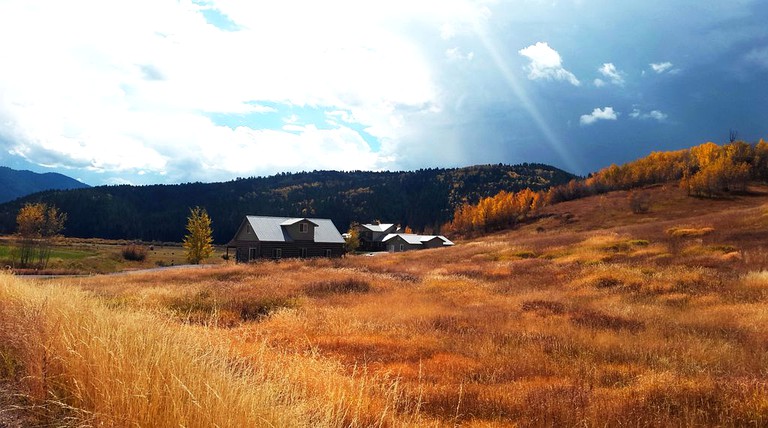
(572, 326)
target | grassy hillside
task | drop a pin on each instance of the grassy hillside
(421, 199)
(590, 316)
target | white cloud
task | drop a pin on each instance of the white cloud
(117, 181)
(455, 54)
(661, 67)
(657, 115)
(758, 56)
(609, 70)
(546, 63)
(133, 88)
(599, 83)
(606, 113)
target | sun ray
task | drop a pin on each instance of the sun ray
(550, 137)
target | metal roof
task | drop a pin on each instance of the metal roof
(447, 242)
(292, 221)
(270, 229)
(417, 239)
(377, 227)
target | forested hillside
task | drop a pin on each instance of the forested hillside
(707, 170)
(15, 184)
(422, 199)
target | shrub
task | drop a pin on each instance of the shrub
(135, 252)
(599, 320)
(350, 285)
(251, 310)
(525, 254)
(639, 202)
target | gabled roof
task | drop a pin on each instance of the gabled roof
(270, 229)
(417, 239)
(292, 221)
(407, 237)
(377, 227)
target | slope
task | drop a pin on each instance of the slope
(591, 316)
(15, 184)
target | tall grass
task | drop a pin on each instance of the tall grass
(133, 368)
(573, 326)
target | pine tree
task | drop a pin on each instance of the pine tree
(198, 242)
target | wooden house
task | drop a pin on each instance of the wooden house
(397, 242)
(260, 237)
(372, 235)
(388, 237)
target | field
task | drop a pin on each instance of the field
(589, 316)
(93, 256)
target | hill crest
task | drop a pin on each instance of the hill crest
(19, 183)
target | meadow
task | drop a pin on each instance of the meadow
(76, 256)
(588, 316)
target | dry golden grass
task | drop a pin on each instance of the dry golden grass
(572, 325)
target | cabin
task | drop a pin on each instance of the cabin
(389, 237)
(397, 242)
(372, 236)
(260, 237)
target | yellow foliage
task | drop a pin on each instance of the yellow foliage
(198, 242)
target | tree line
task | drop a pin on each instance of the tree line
(38, 227)
(707, 170)
(424, 199)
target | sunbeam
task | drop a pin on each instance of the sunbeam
(549, 136)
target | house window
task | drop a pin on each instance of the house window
(402, 247)
(303, 227)
(328, 253)
(277, 253)
(252, 254)
(303, 253)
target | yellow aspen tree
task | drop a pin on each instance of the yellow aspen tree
(37, 224)
(199, 241)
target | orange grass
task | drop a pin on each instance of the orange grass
(575, 325)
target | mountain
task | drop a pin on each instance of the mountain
(15, 184)
(423, 199)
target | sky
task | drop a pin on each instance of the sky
(172, 91)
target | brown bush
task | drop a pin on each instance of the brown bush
(135, 252)
(349, 285)
(639, 202)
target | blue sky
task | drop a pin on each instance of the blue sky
(169, 91)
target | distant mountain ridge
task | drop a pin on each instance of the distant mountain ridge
(423, 199)
(15, 184)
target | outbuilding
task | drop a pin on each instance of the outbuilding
(397, 242)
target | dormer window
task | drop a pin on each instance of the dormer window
(303, 227)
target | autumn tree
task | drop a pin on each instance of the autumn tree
(199, 241)
(352, 240)
(37, 225)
